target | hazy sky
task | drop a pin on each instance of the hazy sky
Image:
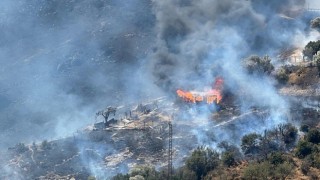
(313, 3)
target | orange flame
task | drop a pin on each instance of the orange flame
(214, 95)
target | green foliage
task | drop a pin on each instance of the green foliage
(311, 48)
(256, 65)
(202, 161)
(276, 158)
(250, 143)
(226, 147)
(314, 159)
(228, 158)
(92, 178)
(303, 149)
(257, 171)
(317, 61)
(283, 170)
(282, 75)
(289, 133)
(313, 136)
(184, 173)
(145, 171)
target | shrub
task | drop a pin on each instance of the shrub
(282, 75)
(144, 171)
(304, 148)
(283, 170)
(202, 160)
(250, 143)
(313, 136)
(93, 178)
(256, 65)
(185, 173)
(276, 158)
(228, 158)
(257, 171)
(311, 48)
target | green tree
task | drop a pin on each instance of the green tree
(228, 158)
(250, 143)
(311, 48)
(184, 173)
(313, 136)
(283, 170)
(257, 171)
(282, 75)
(93, 178)
(257, 65)
(202, 160)
(148, 172)
(303, 149)
(288, 134)
(276, 158)
(121, 177)
(317, 62)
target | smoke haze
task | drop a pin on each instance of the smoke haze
(61, 61)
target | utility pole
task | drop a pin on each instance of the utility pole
(170, 169)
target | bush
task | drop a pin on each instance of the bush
(202, 160)
(257, 171)
(283, 170)
(282, 75)
(256, 65)
(317, 61)
(250, 143)
(93, 178)
(145, 171)
(289, 133)
(276, 158)
(185, 173)
(311, 48)
(228, 158)
(304, 148)
(313, 136)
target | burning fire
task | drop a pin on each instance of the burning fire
(211, 96)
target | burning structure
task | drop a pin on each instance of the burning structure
(214, 95)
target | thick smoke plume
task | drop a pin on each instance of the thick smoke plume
(198, 41)
(61, 61)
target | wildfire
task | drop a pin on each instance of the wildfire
(212, 96)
